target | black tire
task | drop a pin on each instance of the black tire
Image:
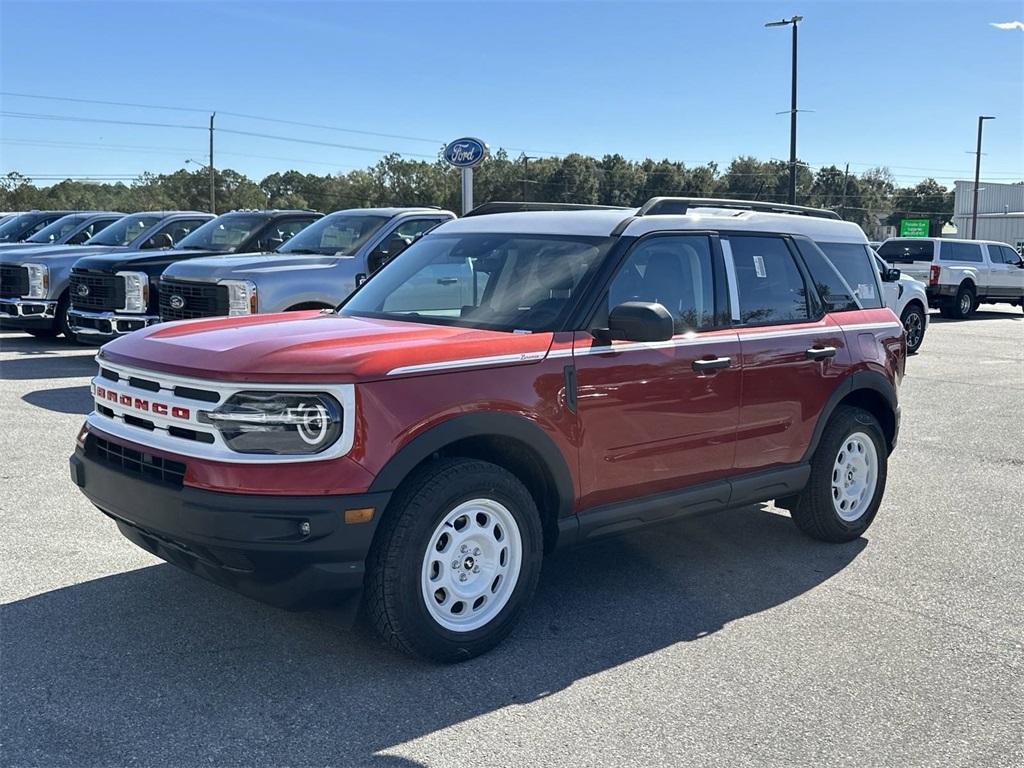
(60, 325)
(815, 512)
(913, 320)
(965, 303)
(394, 599)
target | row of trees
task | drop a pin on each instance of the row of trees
(869, 198)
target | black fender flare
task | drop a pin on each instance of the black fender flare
(859, 380)
(489, 424)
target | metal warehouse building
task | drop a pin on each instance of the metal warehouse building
(1000, 212)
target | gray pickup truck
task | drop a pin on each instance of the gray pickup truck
(316, 269)
(34, 282)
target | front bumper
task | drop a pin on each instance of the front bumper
(100, 326)
(256, 545)
(18, 314)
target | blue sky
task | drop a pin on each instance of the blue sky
(891, 83)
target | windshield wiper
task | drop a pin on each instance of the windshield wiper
(192, 248)
(303, 251)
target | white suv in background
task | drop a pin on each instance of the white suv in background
(961, 274)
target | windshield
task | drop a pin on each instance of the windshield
(11, 228)
(123, 231)
(58, 229)
(340, 234)
(494, 281)
(906, 251)
(224, 234)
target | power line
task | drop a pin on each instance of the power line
(223, 112)
(105, 103)
(69, 119)
(165, 150)
(321, 143)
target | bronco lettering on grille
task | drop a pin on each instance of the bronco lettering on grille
(138, 404)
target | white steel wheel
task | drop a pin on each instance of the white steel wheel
(471, 566)
(854, 476)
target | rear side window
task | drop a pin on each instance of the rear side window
(769, 285)
(907, 251)
(855, 263)
(954, 251)
(832, 285)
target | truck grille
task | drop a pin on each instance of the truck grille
(96, 292)
(13, 281)
(195, 300)
(139, 463)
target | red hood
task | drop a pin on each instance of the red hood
(309, 346)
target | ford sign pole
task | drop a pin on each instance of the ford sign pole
(466, 154)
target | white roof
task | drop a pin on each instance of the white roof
(601, 223)
(943, 240)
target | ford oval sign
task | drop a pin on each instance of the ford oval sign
(176, 302)
(465, 153)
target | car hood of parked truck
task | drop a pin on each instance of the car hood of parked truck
(44, 252)
(140, 260)
(245, 265)
(314, 346)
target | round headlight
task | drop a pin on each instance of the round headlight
(278, 423)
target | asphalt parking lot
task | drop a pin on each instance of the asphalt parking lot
(726, 640)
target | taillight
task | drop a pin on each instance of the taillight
(933, 275)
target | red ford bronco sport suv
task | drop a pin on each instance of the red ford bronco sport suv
(510, 383)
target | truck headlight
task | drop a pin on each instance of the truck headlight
(136, 291)
(277, 423)
(241, 297)
(38, 280)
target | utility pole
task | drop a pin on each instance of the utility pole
(977, 177)
(846, 181)
(213, 185)
(792, 109)
(526, 176)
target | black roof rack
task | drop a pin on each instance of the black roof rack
(679, 205)
(513, 207)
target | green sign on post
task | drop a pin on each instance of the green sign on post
(914, 227)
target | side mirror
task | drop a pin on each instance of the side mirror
(159, 240)
(639, 321)
(891, 275)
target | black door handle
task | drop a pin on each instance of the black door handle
(447, 280)
(820, 353)
(711, 365)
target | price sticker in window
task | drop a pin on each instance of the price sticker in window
(759, 266)
(865, 291)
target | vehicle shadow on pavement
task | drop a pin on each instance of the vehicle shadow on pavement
(62, 400)
(39, 365)
(981, 314)
(158, 667)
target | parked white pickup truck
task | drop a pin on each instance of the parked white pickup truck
(961, 274)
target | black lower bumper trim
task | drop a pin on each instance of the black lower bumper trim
(294, 552)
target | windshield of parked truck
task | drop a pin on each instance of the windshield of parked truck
(340, 234)
(906, 251)
(58, 229)
(510, 282)
(124, 231)
(12, 227)
(224, 233)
